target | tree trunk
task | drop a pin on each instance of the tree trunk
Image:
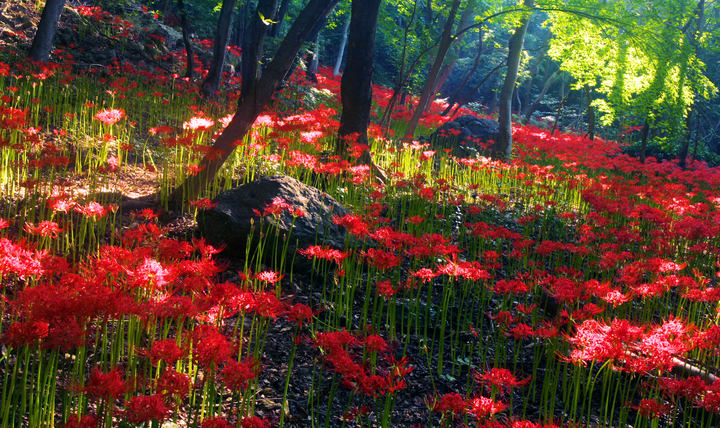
(250, 107)
(445, 42)
(279, 17)
(503, 147)
(644, 138)
(558, 114)
(222, 35)
(454, 53)
(532, 107)
(186, 40)
(311, 61)
(341, 49)
(240, 30)
(468, 97)
(590, 113)
(356, 83)
(252, 47)
(43, 40)
(685, 148)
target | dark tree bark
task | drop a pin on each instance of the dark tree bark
(590, 113)
(250, 107)
(43, 40)
(253, 42)
(311, 60)
(685, 148)
(356, 84)
(644, 139)
(279, 17)
(222, 36)
(503, 148)
(445, 42)
(186, 40)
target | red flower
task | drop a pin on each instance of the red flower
(236, 375)
(146, 408)
(299, 313)
(166, 350)
(84, 421)
(107, 386)
(254, 422)
(110, 117)
(210, 348)
(483, 407)
(44, 228)
(501, 378)
(203, 204)
(215, 423)
(173, 383)
(451, 402)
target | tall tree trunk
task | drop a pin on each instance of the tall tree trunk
(590, 113)
(279, 17)
(252, 47)
(222, 35)
(341, 49)
(445, 42)
(644, 139)
(685, 148)
(356, 83)
(250, 107)
(186, 40)
(454, 52)
(503, 147)
(532, 107)
(43, 40)
(241, 29)
(311, 61)
(558, 114)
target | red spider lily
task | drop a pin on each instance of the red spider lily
(109, 117)
(65, 336)
(650, 408)
(19, 334)
(215, 422)
(375, 343)
(145, 408)
(254, 422)
(711, 401)
(501, 378)
(300, 313)
(424, 273)
(326, 253)
(198, 123)
(172, 383)
(236, 375)
(151, 274)
(84, 421)
(203, 204)
(354, 224)
(267, 305)
(689, 388)
(5, 223)
(107, 386)
(386, 289)
(94, 210)
(382, 260)
(268, 276)
(45, 228)
(510, 286)
(451, 402)
(484, 407)
(210, 348)
(166, 350)
(355, 412)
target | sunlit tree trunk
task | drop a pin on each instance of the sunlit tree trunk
(503, 147)
(43, 40)
(341, 49)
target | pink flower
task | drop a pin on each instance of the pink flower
(110, 117)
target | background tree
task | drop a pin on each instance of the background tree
(222, 36)
(356, 84)
(43, 41)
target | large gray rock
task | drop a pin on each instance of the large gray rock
(466, 135)
(233, 219)
(172, 38)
